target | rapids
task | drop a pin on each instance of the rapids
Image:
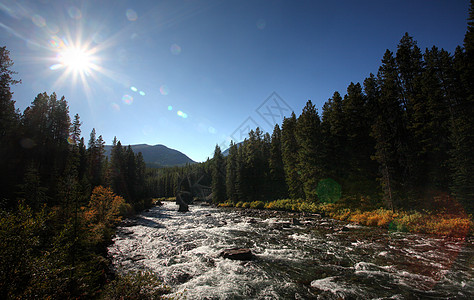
(296, 257)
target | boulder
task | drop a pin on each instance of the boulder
(183, 207)
(237, 254)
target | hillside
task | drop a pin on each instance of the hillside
(158, 156)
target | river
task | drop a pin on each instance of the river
(296, 257)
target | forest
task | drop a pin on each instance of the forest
(401, 140)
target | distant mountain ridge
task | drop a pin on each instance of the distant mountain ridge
(226, 151)
(157, 156)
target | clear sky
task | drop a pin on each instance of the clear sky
(193, 74)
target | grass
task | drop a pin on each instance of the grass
(439, 223)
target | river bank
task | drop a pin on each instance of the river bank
(439, 223)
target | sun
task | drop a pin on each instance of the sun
(77, 62)
(76, 59)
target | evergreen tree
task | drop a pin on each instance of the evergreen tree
(117, 169)
(388, 132)
(140, 191)
(277, 172)
(308, 135)
(10, 164)
(333, 136)
(360, 170)
(231, 172)
(218, 177)
(130, 174)
(289, 151)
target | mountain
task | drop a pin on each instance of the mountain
(157, 156)
(226, 151)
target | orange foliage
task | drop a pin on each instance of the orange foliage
(104, 207)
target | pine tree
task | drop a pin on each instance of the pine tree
(308, 136)
(277, 171)
(388, 132)
(289, 151)
(333, 139)
(360, 171)
(218, 177)
(117, 169)
(231, 172)
(10, 165)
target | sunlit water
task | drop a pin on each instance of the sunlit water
(316, 259)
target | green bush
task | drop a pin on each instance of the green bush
(246, 205)
(239, 204)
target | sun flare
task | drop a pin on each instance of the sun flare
(77, 62)
(75, 59)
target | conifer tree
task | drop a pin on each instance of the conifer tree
(231, 172)
(10, 164)
(218, 177)
(387, 131)
(360, 170)
(308, 135)
(333, 139)
(277, 171)
(289, 151)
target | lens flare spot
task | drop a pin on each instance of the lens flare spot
(74, 13)
(98, 38)
(71, 140)
(55, 67)
(170, 107)
(56, 42)
(131, 15)
(133, 88)
(261, 24)
(182, 114)
(38, 20)
(328, 190)
(127, 99)
(175, 49)
(52, 28)
(212, 130)
(115, 106)
(164, 90)
(142, 93)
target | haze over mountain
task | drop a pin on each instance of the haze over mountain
(158, 155)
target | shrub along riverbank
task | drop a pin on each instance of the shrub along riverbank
(431, 222)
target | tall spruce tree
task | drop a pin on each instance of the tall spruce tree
(289, 151)
(308, 136)
(387, 131)
(278, 187)
(360, 170)
(231, 172)
(218, 177)
(10, 164)
(333, 139)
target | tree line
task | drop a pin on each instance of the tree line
(403, 138)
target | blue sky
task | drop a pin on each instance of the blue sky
(193, 74)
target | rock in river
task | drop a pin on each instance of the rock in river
(237, 254)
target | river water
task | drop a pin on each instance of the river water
(295, 257)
